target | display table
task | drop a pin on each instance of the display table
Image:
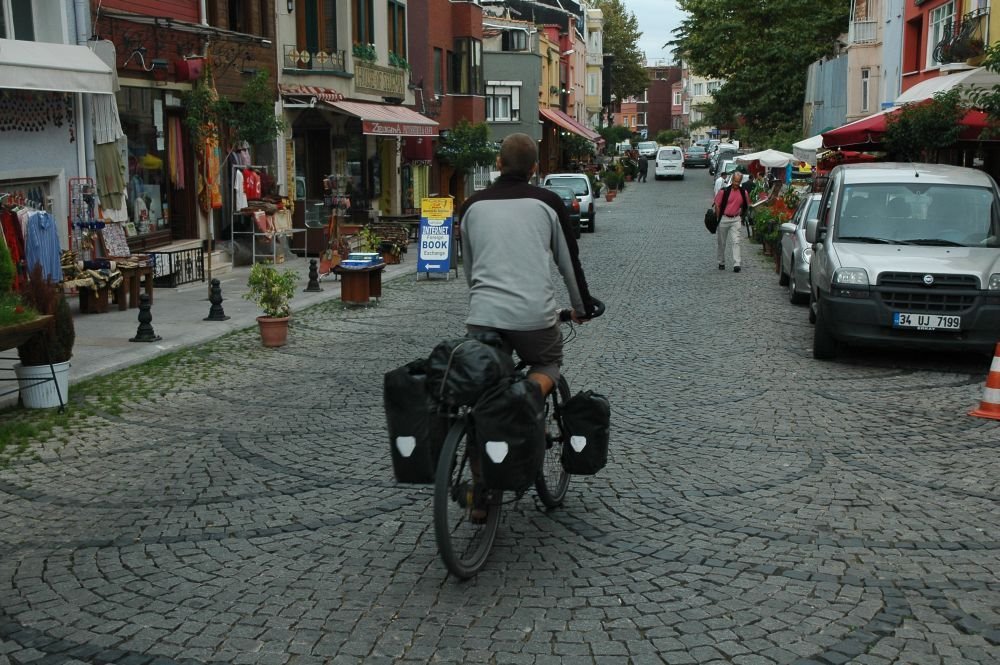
(134, 280)
(359, 285)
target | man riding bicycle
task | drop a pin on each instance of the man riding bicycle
(509, 232)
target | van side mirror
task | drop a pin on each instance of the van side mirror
(813, 234)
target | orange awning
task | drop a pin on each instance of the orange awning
(387, 120)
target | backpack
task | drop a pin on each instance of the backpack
(460, 370)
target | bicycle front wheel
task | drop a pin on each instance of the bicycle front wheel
(553, 481)
(463, 542)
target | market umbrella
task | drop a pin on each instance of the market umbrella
(769, 158)
(805, 150)
(867, 133)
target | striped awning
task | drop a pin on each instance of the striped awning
(321, 94)
(388, 120)
(570, 124)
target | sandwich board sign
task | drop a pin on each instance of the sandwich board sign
(435, 245)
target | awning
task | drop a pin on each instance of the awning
(45, 67)
(571, 124)
(385, 120)
(978, 77)
(866, 133)
(321, 94)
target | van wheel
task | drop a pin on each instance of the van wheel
(824, 344)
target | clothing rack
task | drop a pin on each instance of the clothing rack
(271, 234)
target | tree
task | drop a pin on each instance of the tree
(576, 147)
(621, 40)
(669, 136)
(917, 131)
(615, 134)
(467, 146)
(761, 50)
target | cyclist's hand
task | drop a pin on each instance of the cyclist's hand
(576, 317)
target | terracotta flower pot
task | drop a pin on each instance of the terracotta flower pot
(273, 331)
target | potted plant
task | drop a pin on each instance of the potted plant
(43, 371)
(272, 290)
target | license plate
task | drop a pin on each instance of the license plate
(926, 321)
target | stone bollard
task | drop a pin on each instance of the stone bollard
(215, 312)
(145, 333)
(313, 284)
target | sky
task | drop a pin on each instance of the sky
(657, 19)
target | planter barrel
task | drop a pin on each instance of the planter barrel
(273, 330)
(38, 390)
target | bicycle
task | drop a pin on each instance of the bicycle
(464, 543)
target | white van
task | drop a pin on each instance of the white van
(906, 255)
(669, 163)
(623, 147)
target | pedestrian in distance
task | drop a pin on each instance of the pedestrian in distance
(643, 168)
(720, 182)
(731, 205)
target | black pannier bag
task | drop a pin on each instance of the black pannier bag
(509, 431)
(587, 424)
(416, 428)
(460, 370)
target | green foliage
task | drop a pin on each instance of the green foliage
(614, 178)
(370, 240)
(630, 166)
(365, 52)
(669, 136)
(576, 147)
(55, 343)
(398, 61)
(988, 99)
(271, 290)
(761, 49)
(7, 270)
(621, 41)
(253, 120)
(614, 135)
(466, 146)
(917, 131)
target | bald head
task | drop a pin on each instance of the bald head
(518, 155)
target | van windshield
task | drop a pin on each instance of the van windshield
(918, 214)
(670, 153)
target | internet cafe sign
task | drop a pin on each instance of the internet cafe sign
(388, 80)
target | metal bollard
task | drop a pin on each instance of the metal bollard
(215, 312)
(313, 284)
(144, 333)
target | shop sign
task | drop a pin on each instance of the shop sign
(397, 128)
(435, 245)
(387, 80)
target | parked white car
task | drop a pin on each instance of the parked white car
(647, 148)
(796, 252)
(580, 184)
(669, 163)
(906, 255)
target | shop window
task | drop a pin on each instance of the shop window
(438, 71)
(397, 28)
(467, 67)
(364, 21)
(148, 169)
(316, 25)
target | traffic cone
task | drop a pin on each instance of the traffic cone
(990, 406)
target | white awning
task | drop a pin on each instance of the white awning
(805, 150)
(978, 77)
(45, 67)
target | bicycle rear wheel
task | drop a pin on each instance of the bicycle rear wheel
(553, 481)
(464, 544)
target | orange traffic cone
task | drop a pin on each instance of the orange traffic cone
(990, 406)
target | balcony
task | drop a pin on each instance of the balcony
(863, 32)
(303, 60)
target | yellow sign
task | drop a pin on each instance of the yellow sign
(436, 208)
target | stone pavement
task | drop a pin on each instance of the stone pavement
(236, 504)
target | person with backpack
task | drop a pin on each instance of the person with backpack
(731, 205)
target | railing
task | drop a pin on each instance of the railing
(315, 61)
(179, 267)
(964, 39)
(863, 32)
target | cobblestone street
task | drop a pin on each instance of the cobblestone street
(759, 506)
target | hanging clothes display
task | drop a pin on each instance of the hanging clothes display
(41, 246)
(110, 175)
(14, 237)
(175, 152)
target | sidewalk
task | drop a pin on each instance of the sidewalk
(102, 340)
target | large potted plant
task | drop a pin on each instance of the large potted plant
(43, 373)
(272, 290)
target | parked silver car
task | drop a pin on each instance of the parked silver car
(906, 255)
(580, 184)
(796, 252)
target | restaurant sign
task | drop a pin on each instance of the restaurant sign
(382, 128)
(390, 81)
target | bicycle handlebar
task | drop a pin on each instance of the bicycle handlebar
(596, 309)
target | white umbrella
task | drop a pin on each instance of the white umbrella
(769, 158)
(805, 150)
